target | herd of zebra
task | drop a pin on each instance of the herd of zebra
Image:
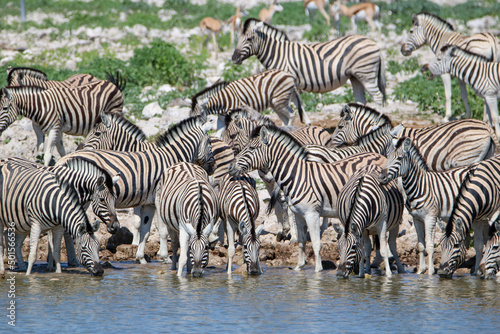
(200, 188)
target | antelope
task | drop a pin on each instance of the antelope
(363, 11)
(266, 14)
(213, 26)
(313, 5)
(234, 22)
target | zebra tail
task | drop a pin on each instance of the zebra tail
(274, 199)
(118, 80)
(199, 226)
(381, 78)
(298, 103)
(354, 200)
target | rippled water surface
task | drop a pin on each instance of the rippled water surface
(151, 298)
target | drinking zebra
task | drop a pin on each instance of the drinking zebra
(478, 199)
(271, 88)
(187, 209)
(318, 67)
(490, 263)
(239, 208)
(311, 188)
(73, 111)
(37, 201)
(429, 195)
(141, 170)
(367, 207)
(443, 146)
(482, 75)
(431, 29)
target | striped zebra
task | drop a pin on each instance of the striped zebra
(443, 146)
(141, 170)
(429, 195)
(481, 75)
(37, 201)
(318, 67)
(367, 207)
(378, 141)
(269, 89)
(73, 111)
(490, 263)
(187, 209)
(311, 188)
(477, 201)
(239, 208)
(223, 156)
(431, 29)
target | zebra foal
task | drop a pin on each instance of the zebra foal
(368, 207)
(187, 210)
(318, 67)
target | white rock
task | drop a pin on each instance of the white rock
(149, 127)
(165, 88)
(151, 110)
(175, 114)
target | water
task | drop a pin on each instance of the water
(151, 298)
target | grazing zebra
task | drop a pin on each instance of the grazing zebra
(271, 88)
(187, 209)
(431, 29)
(482, 75)
(311, 188)
(490, 263)
(378, 141)
(141, 170)
(239, 208)
(443, 146)
(477, 201)
(429, 195)
(367, 207)
(37, 201)
(73, 111)
(318, 67)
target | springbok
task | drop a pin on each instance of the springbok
(213, 27)
(266, 14)
(234, 22)
(367, 11)
(311, 6)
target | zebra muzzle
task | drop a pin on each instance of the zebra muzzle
(404, 51)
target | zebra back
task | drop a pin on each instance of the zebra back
(223, 155)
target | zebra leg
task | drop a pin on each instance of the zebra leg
(479, 233)
(231, 248)
(40, 136)
(52, 139)
(430, 230)
(393, 235)
(491, 108)
(384, 249)
(301, 239)
(184, 245)
(314, 227)
(174, 243)
(35, 232)
(420, 229)
(19, 251)
(286, 114)
(358, 89)
(60, 147)
(278, 210)
(70, 250)
(147, 214)
(465, 98)
(446, 77)
(365, 262)
(55, 238)
(163, 233)
(136, 225)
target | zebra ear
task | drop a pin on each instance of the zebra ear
(20, 78)
(208, 229)
(407, 144)
(339, 228)
(441, 224)
(186, 226)
(100, 182)
(345, 110)
(82, 229)
(459, 223)
(397, 130)
(105, 119)
(5, 92)
(258, 25)
(116, 178)
(496, 225)
(415, 20)
(452, 51)
(264, 135)
(242, 228)
(259, 229)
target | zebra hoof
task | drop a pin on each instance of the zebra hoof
(279, 237)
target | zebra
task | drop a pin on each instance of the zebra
(239, 208)
(378, 141)
(478, 199)
(187, 209)
(223, 156)
(311, 188)
(429, 195)
(490, 263)
(443, 146)
(73, 111)
(318, 67)
(141, 170)
(271, 88)
(366, 206)
(475, 70)
(431, 29)
(36, 201)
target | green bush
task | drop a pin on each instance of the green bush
(408, 65)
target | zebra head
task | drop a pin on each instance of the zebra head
(490, 263)
(453, 247)
(104, 203)
(442, 62)
(87, 250)
(397, 162)
(416, 37)
(206, 157)
(198, 246)
(253, 156)
(248, 41)
(8, 110)
(238, 129)
(350, 251)
(251, 245)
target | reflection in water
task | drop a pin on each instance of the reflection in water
(152, 298)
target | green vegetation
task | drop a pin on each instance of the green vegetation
(408, 65)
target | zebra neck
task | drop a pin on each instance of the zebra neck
(415, 176)
(268, 53)
(461, 67)
(437, 35)
(83, 186)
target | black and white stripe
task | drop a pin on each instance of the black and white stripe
(318, 67)
(187, 209)
(490, 263)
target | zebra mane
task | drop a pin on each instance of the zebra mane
(284, 137)
(463, 186)
(437, 20)
(374, 134)
(201, 207)
(26, 89)
(464, 53)
(415, 153)
(128, 126)
(207, 93)
(370, 113)
(72, 195)
(267, 29)
(172, 135)
(354, 200)
(27, 71)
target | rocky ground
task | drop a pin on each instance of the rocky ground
(19, 140)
